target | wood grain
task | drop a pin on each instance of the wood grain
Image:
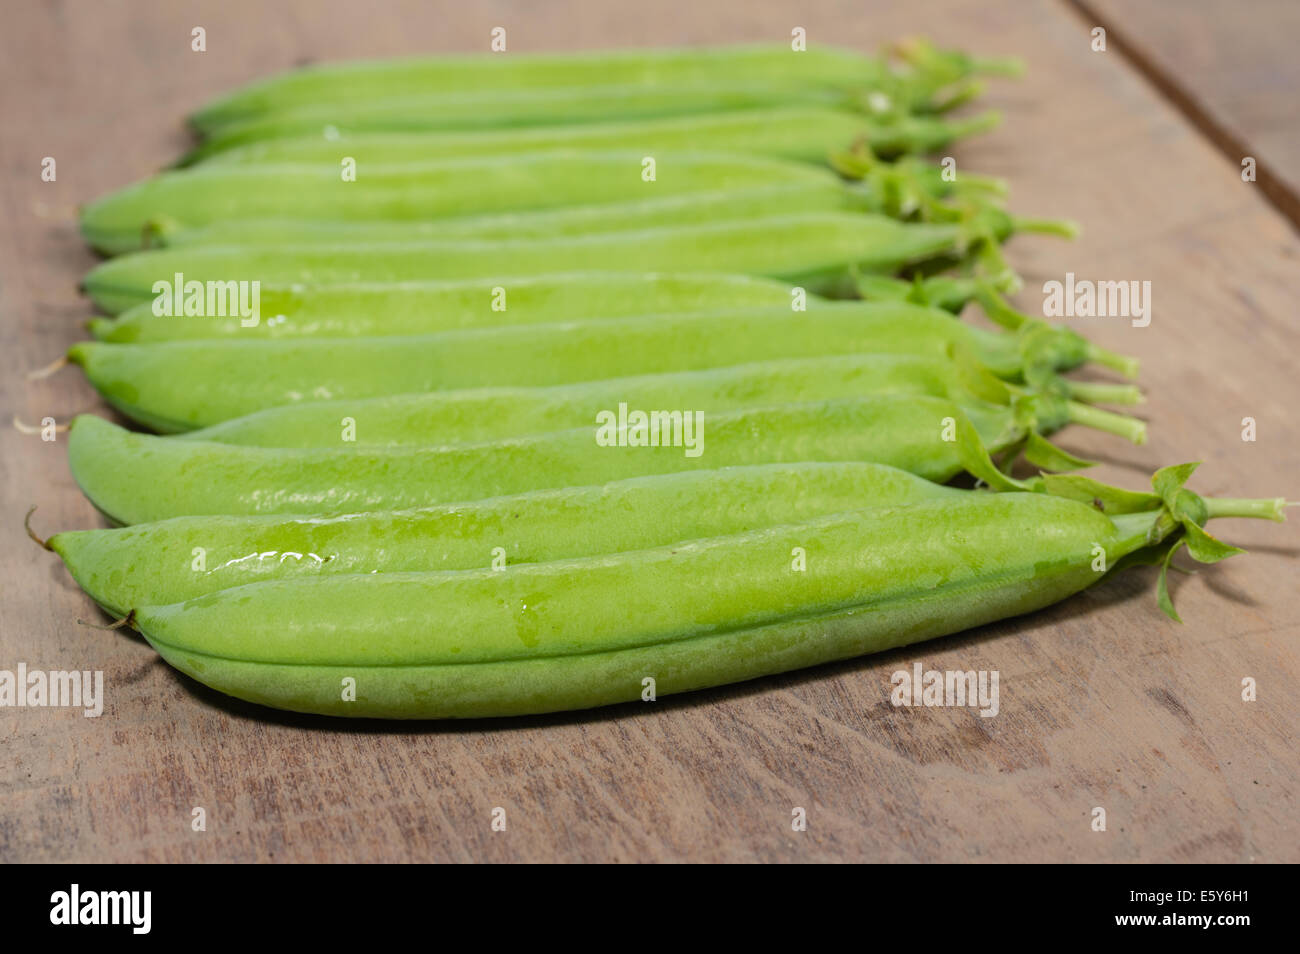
(1229, 69)
(1104, 702)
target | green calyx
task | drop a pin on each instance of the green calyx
(1043, 348)
(1042, 406)
(1040, 412)
(947, 292)
(1175, 518)
(949, 65)
(892, 133)
(913, 190)
(989, 223)
(1045, 344)
(1032, 415)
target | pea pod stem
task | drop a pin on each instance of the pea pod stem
(1265, 508)
(1094, 392)
(1121, 425)
(1124, 364)
(999, 310)
(1061, 228)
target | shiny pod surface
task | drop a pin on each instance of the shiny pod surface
(184, 557)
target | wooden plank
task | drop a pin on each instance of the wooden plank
(1104, 703)
(1229, 69)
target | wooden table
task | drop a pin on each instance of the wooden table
(1105, 703)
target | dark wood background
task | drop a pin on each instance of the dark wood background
(1104, 702)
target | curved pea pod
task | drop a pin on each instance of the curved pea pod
(483, 414)
(136, 478)
(362, 85)
(414, 308)
(573, 634)
(180, 385)
(801, 133)
(415, 192)
(185, 557)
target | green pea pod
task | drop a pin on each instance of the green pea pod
(418, 192)
(185, 557)
(361, 85)
(136, 478)
(539, 109)
(592, 631)
(413, 308)
(829, 195)
(527, 108)
(815, 250)
(181, 385)
(802, 133)
(484, 414)
(911, 191)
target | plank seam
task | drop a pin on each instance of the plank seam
(1279, 194)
